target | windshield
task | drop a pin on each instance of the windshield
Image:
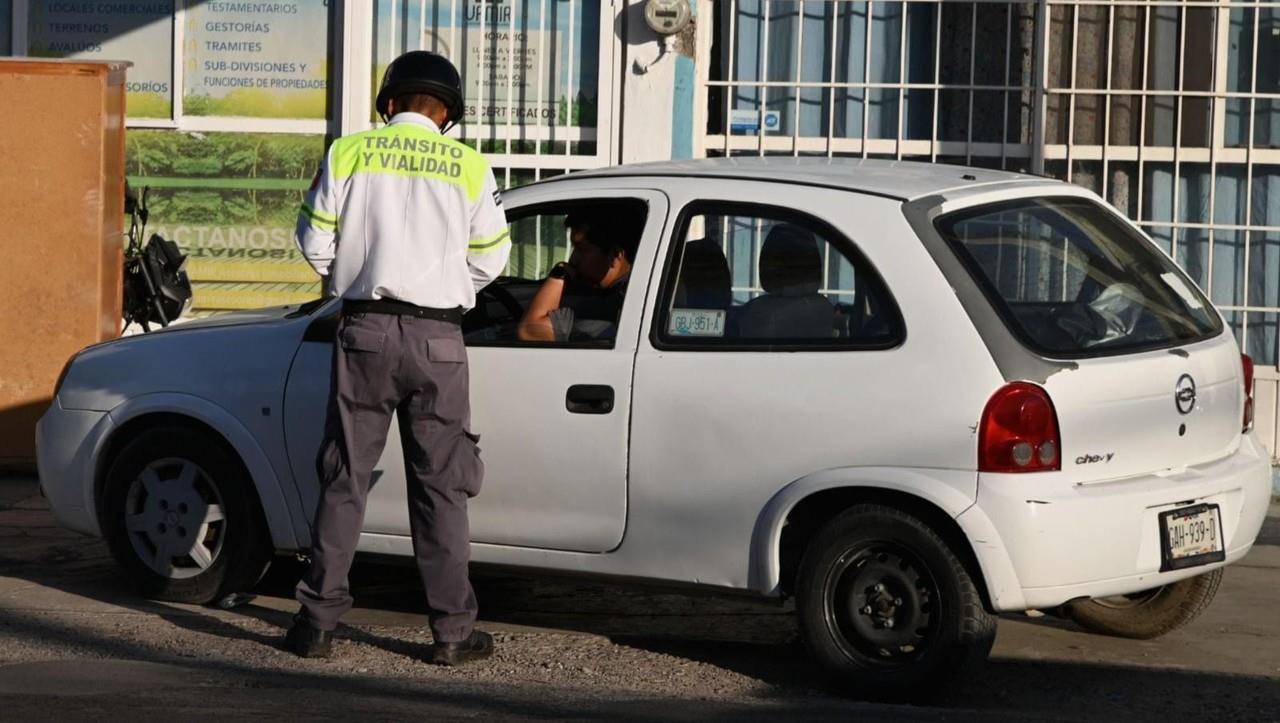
(1073, 280)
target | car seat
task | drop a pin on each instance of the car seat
(705, 281)
(791, 275)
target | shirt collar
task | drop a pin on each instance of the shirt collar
(415, 118)
(620, 285)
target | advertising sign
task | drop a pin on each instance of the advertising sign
(744, 120)
(521, 63)
(230, 201)
(140, 31)
(257, 59)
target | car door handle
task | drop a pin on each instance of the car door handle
(589, 399)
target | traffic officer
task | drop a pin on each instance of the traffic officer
(407, 225)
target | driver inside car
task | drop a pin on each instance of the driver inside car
(581, 298)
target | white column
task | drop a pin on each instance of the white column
(355, 58)
(648, 86)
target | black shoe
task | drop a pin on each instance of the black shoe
(307, 642)
(477, 647)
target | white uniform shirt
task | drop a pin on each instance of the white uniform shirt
(403, 212)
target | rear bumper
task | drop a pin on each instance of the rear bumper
(1042, 545)
(66, 445)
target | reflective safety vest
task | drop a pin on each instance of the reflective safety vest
(403, 212)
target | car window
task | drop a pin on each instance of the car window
(752, 277)
(1072, 279)
(541, 237)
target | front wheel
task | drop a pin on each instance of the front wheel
(887, 608)
(180, 516)
(1150, 613)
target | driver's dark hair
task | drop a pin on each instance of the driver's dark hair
(611, 225)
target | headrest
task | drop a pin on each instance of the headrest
(705, 280)
(790, 263)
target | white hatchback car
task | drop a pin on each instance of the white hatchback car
(910, 396)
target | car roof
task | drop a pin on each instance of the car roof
(902, 180)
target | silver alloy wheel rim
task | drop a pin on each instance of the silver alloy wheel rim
(175, 518)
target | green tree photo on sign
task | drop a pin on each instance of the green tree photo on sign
(230, 200)
(226, 178)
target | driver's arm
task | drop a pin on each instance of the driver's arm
(536, 325)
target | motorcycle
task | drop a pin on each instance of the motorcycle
(156, 287)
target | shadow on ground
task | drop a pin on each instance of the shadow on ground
(754, 639)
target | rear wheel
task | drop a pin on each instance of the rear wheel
(180, 516)
(1150, 613)
(887, 608)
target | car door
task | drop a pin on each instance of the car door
(553, 418)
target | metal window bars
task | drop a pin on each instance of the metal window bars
(535, 73)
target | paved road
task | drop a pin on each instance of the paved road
(75, 644)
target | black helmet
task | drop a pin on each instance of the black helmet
(421, 71)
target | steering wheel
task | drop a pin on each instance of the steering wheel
(479, 318)
(506, 299)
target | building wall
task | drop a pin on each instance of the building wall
(230, 110)
(1170, 110)
(228, 113)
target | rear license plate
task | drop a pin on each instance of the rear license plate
(1190, 536)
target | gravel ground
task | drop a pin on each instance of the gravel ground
(76, 644)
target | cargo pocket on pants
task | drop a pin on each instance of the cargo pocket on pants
(471, 464)
(357, 338)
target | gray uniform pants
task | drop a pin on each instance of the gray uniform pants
(416, 368)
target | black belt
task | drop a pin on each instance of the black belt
(401, 308)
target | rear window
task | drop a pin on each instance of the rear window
(1073, 280)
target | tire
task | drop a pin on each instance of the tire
(1150, 613)
(861, 575)
(181, 517)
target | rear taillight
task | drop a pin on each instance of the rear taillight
(1019, 431)
(1247, 363)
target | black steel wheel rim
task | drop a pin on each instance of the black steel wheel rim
(882, 605)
